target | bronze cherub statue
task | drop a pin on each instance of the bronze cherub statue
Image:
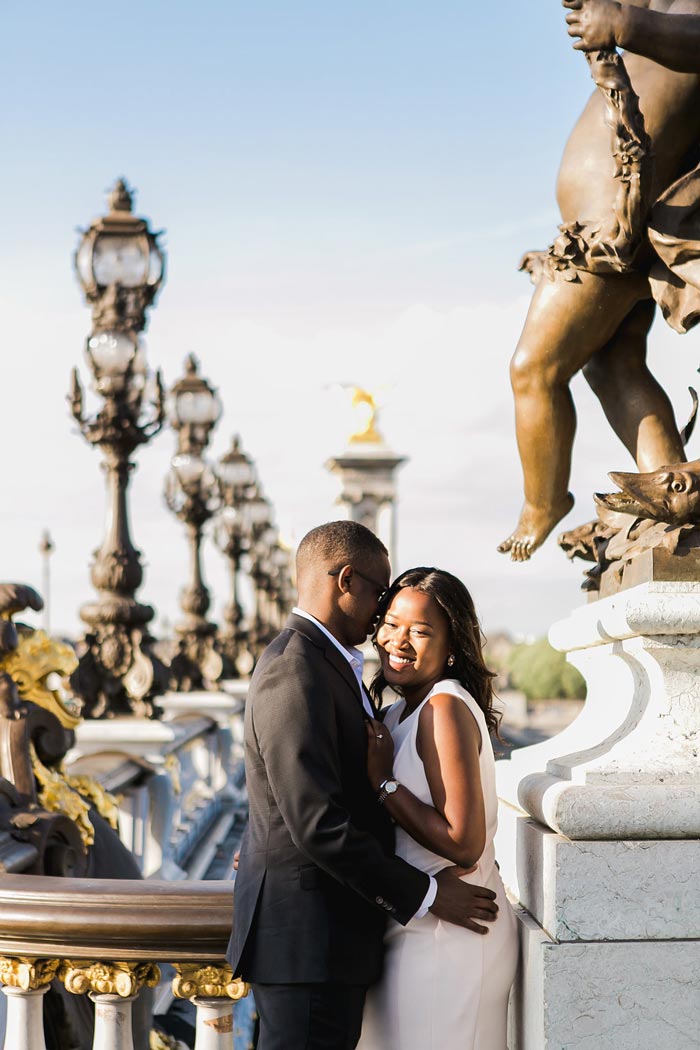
(630, 239)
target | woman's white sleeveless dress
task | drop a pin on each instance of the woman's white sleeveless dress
(443, 987)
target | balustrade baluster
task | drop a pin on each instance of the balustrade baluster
(112, 1022)
(25, 982)
(211, 988)
(214, 1023)
(25, 1022)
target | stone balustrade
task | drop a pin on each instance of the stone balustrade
(175, 778)
(105, 938)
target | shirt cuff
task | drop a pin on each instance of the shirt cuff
(428, 900)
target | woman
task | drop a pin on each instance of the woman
(443, 987)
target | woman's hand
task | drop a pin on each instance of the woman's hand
(380, 753)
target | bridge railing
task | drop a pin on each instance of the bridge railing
(105, 938)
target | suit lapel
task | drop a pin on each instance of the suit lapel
(370, 701)
(334, 657)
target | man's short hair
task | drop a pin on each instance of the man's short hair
(338, 543)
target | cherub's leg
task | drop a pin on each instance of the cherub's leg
(637, 408)
(567, 323)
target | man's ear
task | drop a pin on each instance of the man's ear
(345, 577)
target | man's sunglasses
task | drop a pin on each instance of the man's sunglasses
(380, 588)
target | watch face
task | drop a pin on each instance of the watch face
(390, 787)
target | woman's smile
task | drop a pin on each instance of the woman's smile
(398, 662)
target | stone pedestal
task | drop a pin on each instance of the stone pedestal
(599, 837)
(367, 472)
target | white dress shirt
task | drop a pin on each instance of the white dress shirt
(357, 662)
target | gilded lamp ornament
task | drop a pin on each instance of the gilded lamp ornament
(121, 268)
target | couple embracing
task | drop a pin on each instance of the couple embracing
(367, 871)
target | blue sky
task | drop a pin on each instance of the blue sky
(277, 134)
(346, 190)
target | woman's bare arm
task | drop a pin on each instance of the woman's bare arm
(448, 744)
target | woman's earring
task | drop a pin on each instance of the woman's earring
(450, 661)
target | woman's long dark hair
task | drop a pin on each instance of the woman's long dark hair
(465, 636)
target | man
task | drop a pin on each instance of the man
(317, 876)
(598, 322)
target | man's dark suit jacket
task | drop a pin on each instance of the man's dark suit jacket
(317, 875)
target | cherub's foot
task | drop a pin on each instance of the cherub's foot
(533, 529)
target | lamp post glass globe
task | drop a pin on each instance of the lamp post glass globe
(236, 471)
(193, 409)
(110, 354)
(120, 260)
(188, 469)
(119, 248)
(258, 509)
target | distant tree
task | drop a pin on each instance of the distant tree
(542, 673)
(497, 652)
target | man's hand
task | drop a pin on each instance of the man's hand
(596, 22)
(462, 903)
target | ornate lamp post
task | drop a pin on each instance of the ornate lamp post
(236, 475)
(191, 492)
(281, 583)
(121, 269)
(263, 538)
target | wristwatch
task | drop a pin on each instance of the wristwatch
(386, 788)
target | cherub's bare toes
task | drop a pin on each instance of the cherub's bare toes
(522, 550)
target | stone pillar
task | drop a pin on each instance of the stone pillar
(112, 1022)
(599, 837)
(214, 1028)
(367, 469)
(25, 1023)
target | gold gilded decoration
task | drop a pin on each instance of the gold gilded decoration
(118, 978)
(27, 973)
(106, 804)
(212, 982)
(56, 796)
(39, 666)
(160, 1041)
(367, 407)
(172, 768)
